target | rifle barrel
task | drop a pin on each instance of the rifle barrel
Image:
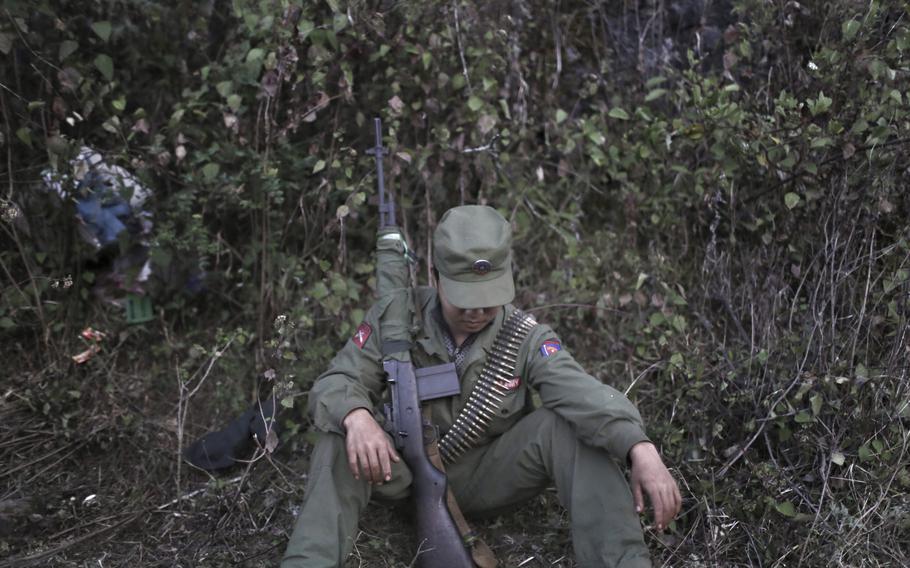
(386, 205)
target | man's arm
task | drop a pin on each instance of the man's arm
(354, 379)
(602, 416)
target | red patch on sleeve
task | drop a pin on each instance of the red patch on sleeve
(362, 334)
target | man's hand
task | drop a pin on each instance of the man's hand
(650, 474)
(369, 450)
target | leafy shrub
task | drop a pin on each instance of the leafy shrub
(708, 202)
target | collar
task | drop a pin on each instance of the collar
(434, 330)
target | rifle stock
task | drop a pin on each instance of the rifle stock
(441, 545)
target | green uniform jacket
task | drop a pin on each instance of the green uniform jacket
(600, 415)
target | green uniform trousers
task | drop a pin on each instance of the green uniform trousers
(539, 450)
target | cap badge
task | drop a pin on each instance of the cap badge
(482, 267)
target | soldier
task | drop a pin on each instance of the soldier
(579, 439)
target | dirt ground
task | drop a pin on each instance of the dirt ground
(94, 481)
(99, 498)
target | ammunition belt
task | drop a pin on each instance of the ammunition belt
(491, 388)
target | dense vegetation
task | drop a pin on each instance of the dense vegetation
(709, 200)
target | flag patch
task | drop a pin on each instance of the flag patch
(362, 334)
(550, 347)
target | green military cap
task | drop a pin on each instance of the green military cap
(472, 250)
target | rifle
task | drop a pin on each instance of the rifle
(441, 544)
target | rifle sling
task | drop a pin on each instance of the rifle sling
(481, 553)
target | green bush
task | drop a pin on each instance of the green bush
(719, 226)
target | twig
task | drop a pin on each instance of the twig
(557, 39)
(34, 558)
(431, 226)
(68, 530)
(15, 94)
(825, 474)
(183, 401)
(9, 142)
(192, 494)
(640, 375)
(464, 64)
(420, 550)
(862, 310)
(19, 440)
(40, 459)
(489, 146)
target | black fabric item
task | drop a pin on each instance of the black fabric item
(223, 448)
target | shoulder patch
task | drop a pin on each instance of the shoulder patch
(549, 347)
(362, 334)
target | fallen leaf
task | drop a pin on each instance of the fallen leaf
(69, 78)
(486, 123)
(849, 150)
(230, 121)
(271, 441)
(141, 125)
(81, 358)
